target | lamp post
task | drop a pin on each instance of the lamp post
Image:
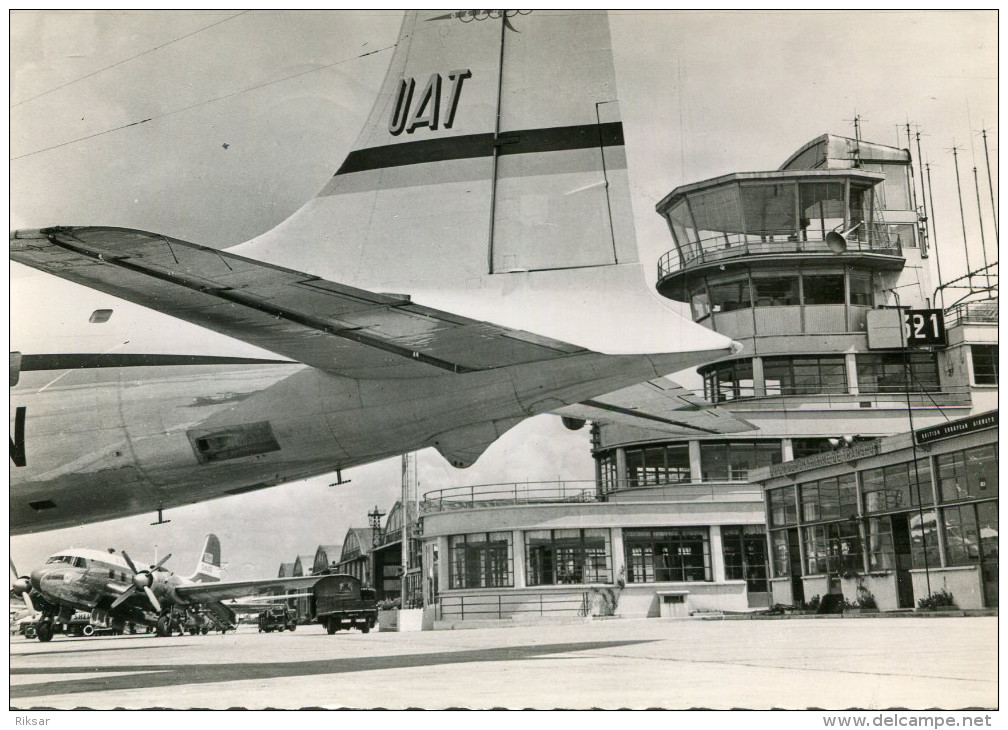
(913, 438)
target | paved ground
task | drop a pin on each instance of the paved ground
(908, 662)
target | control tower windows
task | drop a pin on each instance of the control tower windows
(822, 209)
(861, 291)
(884, 372)
(775, 291)
(660, 464)
(770, 211)
(729, 381)
(699, 301)
(807, 375)
(684, 231)
(823, 288)
(732, 460)
(727, 296)
(985, 364)
(895, 190)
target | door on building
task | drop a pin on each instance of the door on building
(987, 522)
(755, 552)
(794, 555)
(904, 560)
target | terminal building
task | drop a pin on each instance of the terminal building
(796, 264)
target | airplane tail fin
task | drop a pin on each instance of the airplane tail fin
(208, 567)
(491, 171)
(495, 145)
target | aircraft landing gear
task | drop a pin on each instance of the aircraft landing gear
(164, 625)
(44, 630)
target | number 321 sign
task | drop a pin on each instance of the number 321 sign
(924, 327)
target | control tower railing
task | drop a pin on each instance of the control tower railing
(727, 246)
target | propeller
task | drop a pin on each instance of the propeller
(142, 581)
(21, 587)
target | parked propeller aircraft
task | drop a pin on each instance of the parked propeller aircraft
(473, 262)
(117, 593)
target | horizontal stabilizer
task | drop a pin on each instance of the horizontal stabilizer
(659, 405)
(213, 592)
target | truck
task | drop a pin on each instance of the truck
(338, 602)
(277, 619)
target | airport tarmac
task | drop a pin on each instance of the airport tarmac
(835, 663)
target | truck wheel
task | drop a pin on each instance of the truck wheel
(88, 630)
(292, 627)
(204, 631)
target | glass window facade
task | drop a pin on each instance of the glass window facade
(894, 488)
(732, 460)
(884, 372)
(667, 554)
(728, 381)
(985, 364)
(829, 499)
(805, 375)
(822, 209)
(481, 560)
(607, 472)
(775, 291)
(745, 558)
(727, 296)
(563, 557)
(823, 289)
(658, 464)
(832, 546)
(800, 448)
(781, 503)
(770, 211)
(968, 474)
(861, 289)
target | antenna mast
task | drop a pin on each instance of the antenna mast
(962, 215)
(983, 242)
(990, 185)
(934, 229)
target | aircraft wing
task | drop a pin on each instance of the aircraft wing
(320, 323)
(225, 591)
(658, 404)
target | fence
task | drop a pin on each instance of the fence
(501, 606)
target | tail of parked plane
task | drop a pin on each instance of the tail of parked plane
(490, 180)
(208, 567)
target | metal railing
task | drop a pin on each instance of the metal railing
(985, 312)
(509, 493)
(736, 245)
(502, 606)
(512, 493)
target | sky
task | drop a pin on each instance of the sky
(215, 126)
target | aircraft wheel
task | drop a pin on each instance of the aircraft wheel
(292, 627)
(365, 627)
(164, 627)
(44, 630)
(193, 631)
(204, 631)
(331, 626)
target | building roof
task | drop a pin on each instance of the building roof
(303, 564)
(326, 555)
(286, 570)
(357, 542)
